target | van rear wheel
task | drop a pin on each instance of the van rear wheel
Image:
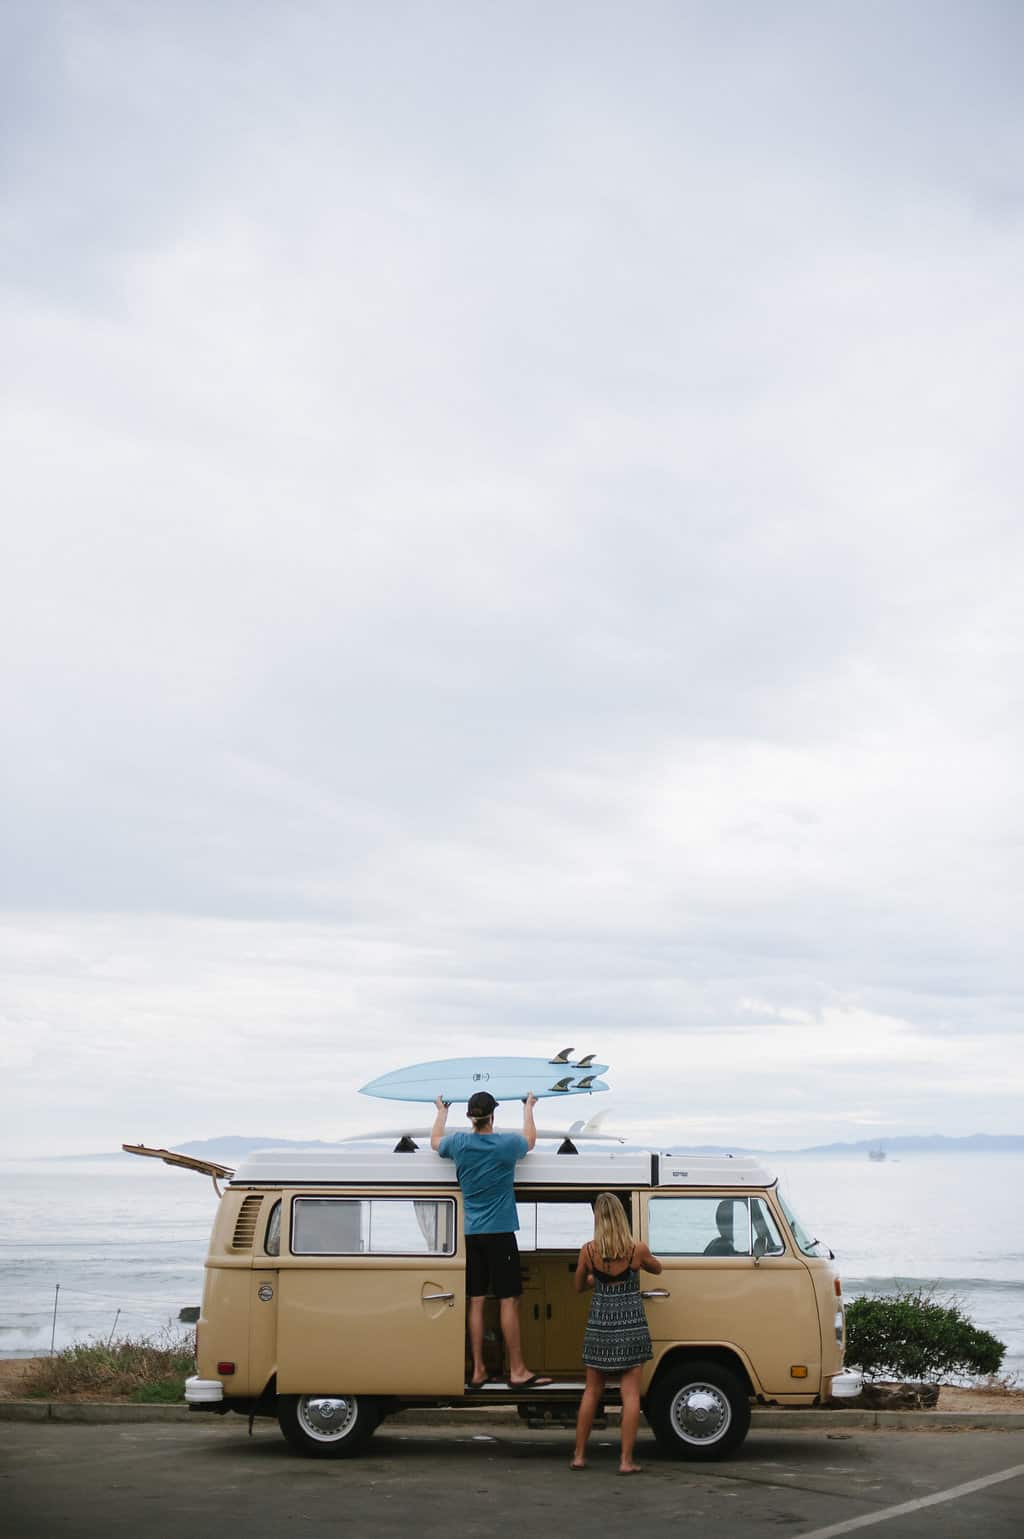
(327, 1426)
(699, 1410)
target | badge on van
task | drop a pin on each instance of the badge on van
(265, 1292)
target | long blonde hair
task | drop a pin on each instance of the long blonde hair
(612, 1238)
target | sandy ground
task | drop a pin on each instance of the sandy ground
(14, 1370)
(951, 1399)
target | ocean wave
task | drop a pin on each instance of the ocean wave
(889, 1283)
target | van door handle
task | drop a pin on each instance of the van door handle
(655, 1293)
(437, 1298)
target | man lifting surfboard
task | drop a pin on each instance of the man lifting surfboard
(485, 1163)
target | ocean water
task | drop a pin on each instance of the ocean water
(125, 1240)
(117, 1245)
(951, 1222)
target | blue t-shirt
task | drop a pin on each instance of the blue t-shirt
(484, 1164)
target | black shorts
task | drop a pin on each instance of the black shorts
(492, 1266)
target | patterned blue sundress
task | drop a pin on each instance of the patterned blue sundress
(617, 1336)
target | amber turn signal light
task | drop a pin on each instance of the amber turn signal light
(798, 1371)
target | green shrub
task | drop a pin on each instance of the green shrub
(910, 1335)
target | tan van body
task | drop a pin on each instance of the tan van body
(335, 1292)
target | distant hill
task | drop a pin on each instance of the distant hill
(934, 1143)
(229, 1148)
(233, 1146)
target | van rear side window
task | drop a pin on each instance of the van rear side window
(379, 1226)
(272, 1243)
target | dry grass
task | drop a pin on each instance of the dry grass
(147, 1369)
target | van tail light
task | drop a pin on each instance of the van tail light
(225, 1368)
(839, 1288)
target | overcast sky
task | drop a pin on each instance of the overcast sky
(512, 538)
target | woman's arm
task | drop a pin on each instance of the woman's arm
(584, 1278)
(648, 1261)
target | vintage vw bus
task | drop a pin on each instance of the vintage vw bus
(335, 1292)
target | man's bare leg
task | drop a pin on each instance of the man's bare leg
(518, 1373)
(517, 1369)
(476, 1341)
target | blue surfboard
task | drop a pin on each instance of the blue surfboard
(507, 1079)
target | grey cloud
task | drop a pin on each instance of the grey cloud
(542, 489)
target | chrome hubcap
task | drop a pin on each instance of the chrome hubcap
(327, 1418)
(701, 1413)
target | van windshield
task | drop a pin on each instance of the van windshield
(802, 1236)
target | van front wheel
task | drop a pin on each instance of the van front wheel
(326, 1426)
(699, 1410)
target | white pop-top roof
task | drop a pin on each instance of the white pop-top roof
(712, 1170)
(543, 1167)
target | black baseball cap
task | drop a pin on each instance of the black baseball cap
(481, 1103)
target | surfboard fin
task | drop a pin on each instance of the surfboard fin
(585, 1063)
(562, 1084)
(562, 1057)
(586, 1082)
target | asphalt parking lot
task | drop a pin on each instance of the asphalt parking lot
(86, 1481)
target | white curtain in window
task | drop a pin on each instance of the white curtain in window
(428, 1216)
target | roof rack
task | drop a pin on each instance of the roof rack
(613, 1168)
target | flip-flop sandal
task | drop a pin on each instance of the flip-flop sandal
(535, 1381)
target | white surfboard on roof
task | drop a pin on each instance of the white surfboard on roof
(507, 1079)
(580, 1129)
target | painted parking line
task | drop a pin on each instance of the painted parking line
(886, 1513)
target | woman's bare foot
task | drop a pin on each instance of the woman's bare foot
(631, 1469)
(578, 1464)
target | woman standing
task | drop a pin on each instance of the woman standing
(617, 1339)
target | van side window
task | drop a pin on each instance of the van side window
(381, 1226)
(700, 1226)
(272, 1243)
(801, 1234)
(553, 1223)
